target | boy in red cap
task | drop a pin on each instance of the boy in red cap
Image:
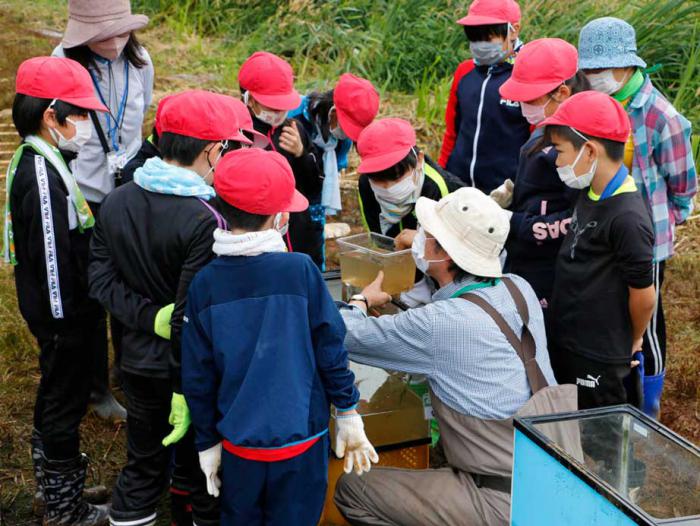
(334, 119)
(484, 131)
(603, 294)
(154, 234)
(46, 237)
(263, 357)
(267, 86)
(545, 74)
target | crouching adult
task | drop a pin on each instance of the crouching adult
(472, 343)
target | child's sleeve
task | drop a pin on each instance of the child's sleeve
(328, 334)
(452, 113)
(632, 239)
(200, 380)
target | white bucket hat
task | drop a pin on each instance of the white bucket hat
(96, 20)
(470, 226)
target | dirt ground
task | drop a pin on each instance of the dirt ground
(105, 443)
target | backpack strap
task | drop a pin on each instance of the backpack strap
(524, 346)
(220, 221)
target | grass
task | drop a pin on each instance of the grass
(409, 49)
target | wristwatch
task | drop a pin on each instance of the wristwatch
(360, 297)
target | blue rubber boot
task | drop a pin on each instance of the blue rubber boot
(653, 387)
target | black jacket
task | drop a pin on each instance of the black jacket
(51, 252)
(370, 210)
(145, 250)
(305, 228)
(147, 150)
(542, 207)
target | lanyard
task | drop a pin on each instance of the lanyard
(476, 286)
(113, 130)
(615, 183)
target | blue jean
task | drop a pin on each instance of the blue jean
(285, 493)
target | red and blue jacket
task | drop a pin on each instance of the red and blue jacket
(542, 207)
(484, 132)
(263, 356)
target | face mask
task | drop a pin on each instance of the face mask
(418, 252)
(569, 178)
(398, 193)
(534, 114)
(338, 133)
(110, 48)
(487, 53)
(273, 118)
(83, 132)
(209, 177)
(605, 82)
(281, 229)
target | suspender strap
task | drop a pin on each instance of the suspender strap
(525, 346)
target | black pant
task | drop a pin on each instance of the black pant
(654, 343)
(66, 361)
(147, 472)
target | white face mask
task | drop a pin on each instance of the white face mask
(399, 193)
(533, 113)
(569, 178)
(281, 229)
(605, 82)
(418, 252)
(83, 132)
(110, 48)
(273, 118)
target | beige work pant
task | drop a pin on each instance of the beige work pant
(439, 497)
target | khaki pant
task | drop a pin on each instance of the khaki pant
(440, 497)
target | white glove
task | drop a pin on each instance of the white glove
(503, 195)
(351, 442)
(209, 461)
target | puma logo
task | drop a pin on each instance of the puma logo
(590, 381)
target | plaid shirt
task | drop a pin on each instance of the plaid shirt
(663, 164)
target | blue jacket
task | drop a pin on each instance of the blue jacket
(494, 124)
(262, 352)
(302, 115)
(542, 207)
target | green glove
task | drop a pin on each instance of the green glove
(179, 419)
(162, 324)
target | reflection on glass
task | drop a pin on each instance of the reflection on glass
(647, 468)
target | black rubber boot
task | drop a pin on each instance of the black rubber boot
(180, 508)
(63, 482)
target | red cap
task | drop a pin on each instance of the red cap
(159, 112)
(258, 182)
(356, 104)
(245, 121)
(269, 80)
(201, 114)
(485, 12)
(57, 78)
(540, 67)
(593, 114)
(384, 143)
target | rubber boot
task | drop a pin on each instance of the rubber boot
(106, 406)
(63, 482)
(180, 508)
(653, 387)
(37, 463)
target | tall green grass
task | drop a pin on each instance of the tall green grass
(399, 44)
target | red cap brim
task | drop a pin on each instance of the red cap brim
(553, 121)
(378, 163)
(88, 103)
(288, 101)
(511, 89)
(259, 140)
(240, 138)
(478, 20)
(298, 203)
(350, 128)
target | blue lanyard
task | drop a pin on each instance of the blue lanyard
(615, 183)
(113, 129)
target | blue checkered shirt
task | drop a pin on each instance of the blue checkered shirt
(469, 363)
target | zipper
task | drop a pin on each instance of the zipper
(478, 126)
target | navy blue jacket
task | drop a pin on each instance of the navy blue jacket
(495, 124)
(263, 355)
(542, 207)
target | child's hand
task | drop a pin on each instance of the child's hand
(405, 239)
(209, 462)
(351, 442)
(376, 297)
(290, 140)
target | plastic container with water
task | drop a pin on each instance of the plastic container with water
(362, 256)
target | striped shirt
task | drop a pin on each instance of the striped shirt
(663, 165)
(469, 363)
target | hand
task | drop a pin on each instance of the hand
(209, 462)
(503, 195)
(637, 345)
(376, 297)
(179, 419)
(161, 325)
(405, 239)
(290, 140)
(351, 443)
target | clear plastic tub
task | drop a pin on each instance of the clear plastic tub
(362, 256)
